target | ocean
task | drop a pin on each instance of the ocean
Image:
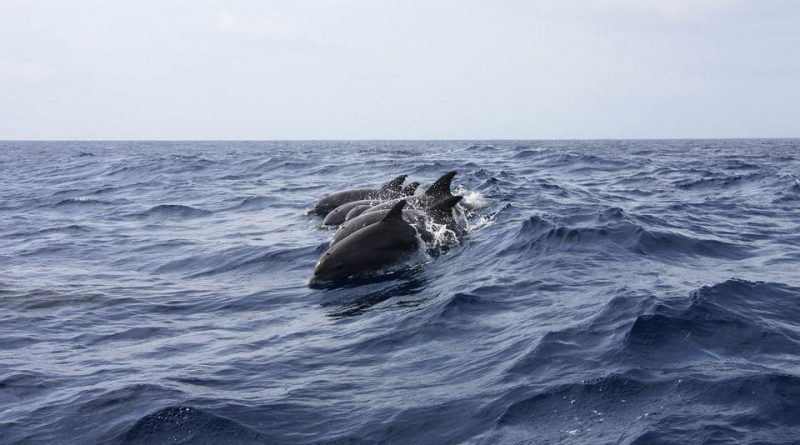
(637, 292)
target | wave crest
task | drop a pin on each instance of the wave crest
(173, 211)
(186, 424)
(613, 230)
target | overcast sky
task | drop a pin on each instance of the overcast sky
(444, 69)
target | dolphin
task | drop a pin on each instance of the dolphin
(355, 211)
(441, 213)
(438, 191)
(410, 189)
(372, 248)
(339, 214)
(391, 189)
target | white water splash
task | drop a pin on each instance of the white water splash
(472, 200)
(443, 237)
(480, 223)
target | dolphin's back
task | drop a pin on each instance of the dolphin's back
(330, 202)
(339, 214)
(356, 211)
(352, 226)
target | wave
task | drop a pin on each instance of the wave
(25, 384)
(463, 304)
(733, 410)
(9, 342)
(254, 258)
(529, 153)
(189, 163)
(579, 161)
(622, 408)
(736, 318)
(739, 164)
(242, 259)
(186, 424)
(82, 415)
(138, 333)
(80, 202)
(276, 163)
(584, 346)
(733, 318)
(126, 169)
(789, 194)
(539, 234)
(173, 211)
(68, 229)
(239, 176)
(255, 203)
(719, 182)
(479, 147)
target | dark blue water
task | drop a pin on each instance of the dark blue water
(608, 291)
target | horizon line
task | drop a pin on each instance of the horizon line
(415, 140)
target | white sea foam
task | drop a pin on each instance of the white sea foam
(442, 236)
(472, 200)
(480, 223)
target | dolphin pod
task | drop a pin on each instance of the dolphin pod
(382, 227)
(339, 214)
(391, 189)
(441, 213)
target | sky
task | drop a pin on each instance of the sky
(402, 69)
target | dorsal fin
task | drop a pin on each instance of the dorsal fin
(410, 189)
(395, 185)
(396, 212)
(446, 204)
(441, 188)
